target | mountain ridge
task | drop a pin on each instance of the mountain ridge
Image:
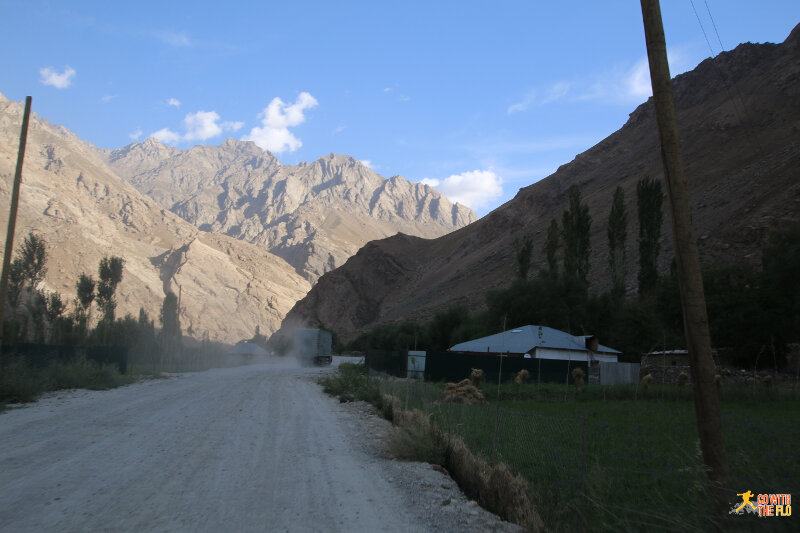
(85, 212)
(239, 190)
(73, 197)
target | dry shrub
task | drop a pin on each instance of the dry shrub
(767, 382)
(389, 406)
(462, 392)
(521, 377)
(577, 375)
(415, 438)
(682, 379)
(645, 383)
(476, 376)
(495, 488)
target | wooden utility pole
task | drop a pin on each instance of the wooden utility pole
(690, 281)
(12, 215)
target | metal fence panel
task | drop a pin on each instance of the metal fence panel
(619, 373)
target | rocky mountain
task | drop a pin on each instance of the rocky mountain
(85, 211)
(739, 119)
(313, 215)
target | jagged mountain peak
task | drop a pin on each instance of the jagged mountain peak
(314, 215)
(145, 154)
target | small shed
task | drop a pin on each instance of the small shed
(666, 366)
(541, 342)
(247, 348)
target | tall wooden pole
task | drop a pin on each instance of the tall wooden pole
(12, 215)
(690, 281)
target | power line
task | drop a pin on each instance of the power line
(713, 24)
(703, 29)
(737, 101)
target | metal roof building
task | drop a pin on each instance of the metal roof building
(540, 342)
(247, 348)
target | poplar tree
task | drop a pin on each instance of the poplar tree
(552, 246)
(576, 223)
(523, 250)
(110, 274)
(649, 198)
(617, 237)
(170, 325)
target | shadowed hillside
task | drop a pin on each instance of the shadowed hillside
(739, 119)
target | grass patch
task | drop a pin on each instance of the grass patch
(602, 460)
(597, 458)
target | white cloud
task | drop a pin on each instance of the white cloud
(174, 102)
(53, 78)
(107, 98)
(166, 136)
(232, 126)
(623, 84)
(556, 91)
(637, 83)
(177, 39)
(135, 134)
(631, 84)
(367, 163)
(201, 125)
(476, 189)
(522, 105)
(276, 119)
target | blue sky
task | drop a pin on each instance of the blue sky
(477, 98)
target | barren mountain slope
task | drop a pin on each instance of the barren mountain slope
(739, 116)
(85, 212)
(314, 215)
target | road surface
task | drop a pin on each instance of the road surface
(252, 448)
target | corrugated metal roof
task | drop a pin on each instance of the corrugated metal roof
(525, 339)
(247, 348)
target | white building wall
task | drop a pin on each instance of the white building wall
(572, 355)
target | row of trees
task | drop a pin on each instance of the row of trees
(574, 237)
(35, 315)
(752, 312)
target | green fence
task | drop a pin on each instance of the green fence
(455, 366)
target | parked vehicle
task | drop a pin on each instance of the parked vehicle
(313, 346)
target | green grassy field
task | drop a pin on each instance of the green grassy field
(622, 460)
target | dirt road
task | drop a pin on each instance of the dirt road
(253, 448)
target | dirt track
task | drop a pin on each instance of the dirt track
(242, 449)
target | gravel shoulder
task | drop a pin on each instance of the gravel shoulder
(251, 448)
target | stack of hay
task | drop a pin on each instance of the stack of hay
(465, 391)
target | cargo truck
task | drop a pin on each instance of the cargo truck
(313, 346)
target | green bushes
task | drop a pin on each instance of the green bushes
(17, 382)
(21, 383)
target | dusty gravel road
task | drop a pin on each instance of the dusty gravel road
(253, 448)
